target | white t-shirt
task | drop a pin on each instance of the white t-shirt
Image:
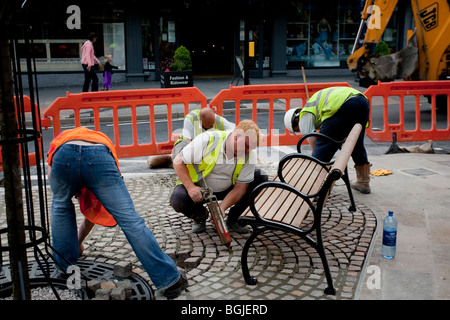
(189, 130)
(220, 178)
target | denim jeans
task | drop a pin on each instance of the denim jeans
(338, 126)
(94, 167)
(89, 76)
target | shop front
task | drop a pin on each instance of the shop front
(279, 37)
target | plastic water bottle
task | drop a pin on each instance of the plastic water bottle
(389, 236)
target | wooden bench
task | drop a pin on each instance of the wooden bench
(300, 190)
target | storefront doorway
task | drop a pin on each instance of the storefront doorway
(209, 35)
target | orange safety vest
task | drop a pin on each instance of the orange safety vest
(91, 208)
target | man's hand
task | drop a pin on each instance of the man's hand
(195, 193)
(182, 171)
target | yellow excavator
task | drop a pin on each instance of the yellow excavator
(427, 54)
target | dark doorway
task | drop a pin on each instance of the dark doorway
(208, 33)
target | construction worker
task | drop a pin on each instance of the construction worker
(224, 161)
(195, 122)
(334, 111)
(82, 158)
(199, 121)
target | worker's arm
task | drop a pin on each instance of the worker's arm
(85, 227)
(233, 196)
(183, 174)
(306, 126)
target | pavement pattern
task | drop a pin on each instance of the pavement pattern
(287, 267)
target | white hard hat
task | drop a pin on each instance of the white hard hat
(289, 119)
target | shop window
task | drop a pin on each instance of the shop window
(114, 43)
(319, 37)
(64, 50)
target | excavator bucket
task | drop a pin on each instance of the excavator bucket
(398, 65)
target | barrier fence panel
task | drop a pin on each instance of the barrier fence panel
(271, 101)
(139, 109)
(394, 106)
(26, 110)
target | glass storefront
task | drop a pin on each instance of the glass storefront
(315, 34)
(319, 38)
(58, 40)
(325, 38)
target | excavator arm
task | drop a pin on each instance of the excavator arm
(427, 55)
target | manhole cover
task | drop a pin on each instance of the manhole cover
(90, 270)
(419, 172)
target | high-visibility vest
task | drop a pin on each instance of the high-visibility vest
(198, 172)
(194, 117)
(326, 102)
(90, 207)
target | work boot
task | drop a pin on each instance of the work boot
(362, 178)
(199, 224)
(175, 290)
(234, 226)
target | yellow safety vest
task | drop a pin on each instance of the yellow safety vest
(197, 172)
(194, 116)
(326, 102)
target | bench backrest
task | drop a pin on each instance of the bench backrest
(307, 176)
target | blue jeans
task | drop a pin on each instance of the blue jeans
(94, 167)
(338, 126)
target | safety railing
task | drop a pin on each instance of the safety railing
(409, 111)
(391, 105)
(27, 109)
(271, 102)
(140, 109)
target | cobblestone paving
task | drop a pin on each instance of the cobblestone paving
(286, 266)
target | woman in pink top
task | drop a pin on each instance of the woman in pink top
(88, 60)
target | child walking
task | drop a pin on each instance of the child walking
(107, 72)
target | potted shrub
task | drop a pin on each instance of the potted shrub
(179, 73)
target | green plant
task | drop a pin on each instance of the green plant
(381, 49)
(181, 60)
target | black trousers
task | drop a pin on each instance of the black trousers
(338, 126)
(182, 202)
(89, 76)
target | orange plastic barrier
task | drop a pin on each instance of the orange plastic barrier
(408, 96)
(27, 109)
(150, 101)
(279, 96)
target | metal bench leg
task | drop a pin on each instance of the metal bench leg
(330, 288)
(249, 279)
(352, 207)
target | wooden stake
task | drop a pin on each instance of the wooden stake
(304, 81)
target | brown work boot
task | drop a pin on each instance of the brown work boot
(362, 178)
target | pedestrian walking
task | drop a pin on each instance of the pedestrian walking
(88, 61)
(107, 72)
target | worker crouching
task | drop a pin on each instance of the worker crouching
(225, 161)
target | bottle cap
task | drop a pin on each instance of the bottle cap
(391, 213)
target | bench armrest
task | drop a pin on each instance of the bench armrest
(316, 134)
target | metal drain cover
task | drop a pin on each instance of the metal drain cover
(90, 270)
